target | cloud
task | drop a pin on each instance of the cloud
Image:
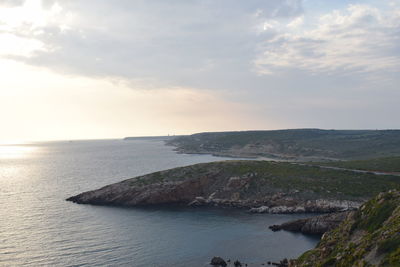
(272, 60)
(360, 39)
(200, 43)
(297, 22)
(11, 3)
(167, 42)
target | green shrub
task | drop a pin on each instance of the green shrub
(329, 262)
(389, 245)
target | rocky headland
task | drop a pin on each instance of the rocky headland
(259, 186)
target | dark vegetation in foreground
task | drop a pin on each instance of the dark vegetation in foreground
(296, 144)
(368, 237)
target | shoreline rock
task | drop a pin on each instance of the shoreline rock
(218, 261)
(310, 206)
(369, 236)
(316, 225)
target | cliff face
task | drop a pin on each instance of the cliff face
(260, 185)
(368, 237)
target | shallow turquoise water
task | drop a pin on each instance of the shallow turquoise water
(39, 228)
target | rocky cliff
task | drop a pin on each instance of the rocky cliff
(367, 237)
(261, 186)
(316, 225)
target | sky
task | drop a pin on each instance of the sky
(108, 69)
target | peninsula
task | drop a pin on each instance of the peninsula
(259, 186)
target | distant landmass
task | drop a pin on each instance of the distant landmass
(165, 137)
(295, 144)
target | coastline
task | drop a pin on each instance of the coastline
(260, 186)
(211, 187)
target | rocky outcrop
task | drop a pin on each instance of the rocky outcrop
(315, 225)
(218, 261)
(367, 237)
(259, 186)
(126, 194)
(308, 206)
(282, 263)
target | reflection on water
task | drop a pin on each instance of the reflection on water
(39, 228)
(16, 151)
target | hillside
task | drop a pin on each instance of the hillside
(297, 144)
(263, 186)
(368, 237)
(387, 164)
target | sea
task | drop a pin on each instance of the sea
(39, 228)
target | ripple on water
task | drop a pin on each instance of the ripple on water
(39, 228)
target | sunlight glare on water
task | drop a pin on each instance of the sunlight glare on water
(16, 151)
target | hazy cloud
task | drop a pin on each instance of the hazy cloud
(11, 3)
(358, 39)
(169, 41)
(307, 63)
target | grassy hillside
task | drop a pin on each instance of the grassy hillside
(368, 237)
(387, 164)
(271, 177)
(297, 143)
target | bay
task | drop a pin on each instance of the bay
(39, 228)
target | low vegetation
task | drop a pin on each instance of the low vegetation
(368, 237)
(386, 164)
(309, 181)
(303, 144)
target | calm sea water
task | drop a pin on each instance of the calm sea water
(39, 228)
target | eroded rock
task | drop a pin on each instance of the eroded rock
(218, 261)
(314, 225)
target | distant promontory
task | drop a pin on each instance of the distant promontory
(294, 144)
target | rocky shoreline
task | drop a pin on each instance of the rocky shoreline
(220, 262)
(317, 225)
(279, 204)
(203, 192)
(194, 193)
(258, 186)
